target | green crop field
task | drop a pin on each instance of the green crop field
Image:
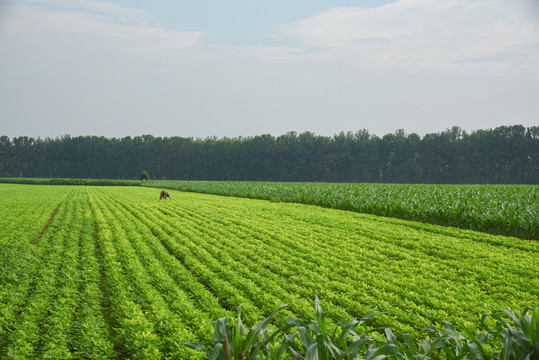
(112, 272)
(511, 210)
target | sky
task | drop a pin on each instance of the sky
(201, 68)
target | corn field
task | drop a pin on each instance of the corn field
(511, 210)
(114, 273)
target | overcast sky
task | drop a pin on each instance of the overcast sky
(245, 67)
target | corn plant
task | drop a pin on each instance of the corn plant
(353, 340)
(238, 343)
(520, 341)
(497, 209)
(322, 340)
(120, 275)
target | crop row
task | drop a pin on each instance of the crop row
(53, 310)
(262, 254)
(513, 337)
(120, 274)
(24, 210)
(511, 210)
(92, 287)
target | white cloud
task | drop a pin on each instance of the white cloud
(428, 34)
(107, 26)
(88, 6)
(83, 67)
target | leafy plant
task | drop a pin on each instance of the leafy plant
(144, 176)
(352, 340)
(319, 339)
(520, 341)
(510, 210)
(238, 343)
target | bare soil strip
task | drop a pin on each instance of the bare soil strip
(53, 214)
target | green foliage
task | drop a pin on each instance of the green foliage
(504, 155)
(350, 340)
(511, 210)
(119, 275)
(55, 181)
(236, 342)
(144, 176)
(521, 340)
(322, 340)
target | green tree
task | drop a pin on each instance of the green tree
(144, 176)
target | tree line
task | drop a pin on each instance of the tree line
(506, 154)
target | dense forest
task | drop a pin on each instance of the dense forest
(507, 154)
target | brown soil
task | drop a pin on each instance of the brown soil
(49, 221)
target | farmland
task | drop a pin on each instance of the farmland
(510, 210)
(118, 273)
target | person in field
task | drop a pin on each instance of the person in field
(164, 195)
